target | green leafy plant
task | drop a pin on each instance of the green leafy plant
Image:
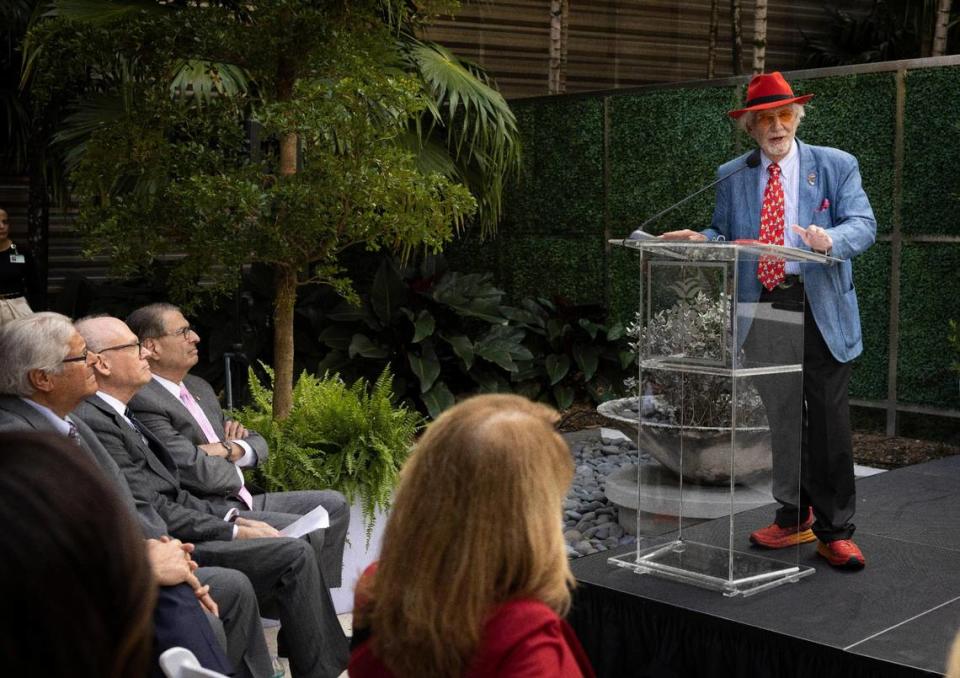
(574, 355)
(348, 438)
(451, 333)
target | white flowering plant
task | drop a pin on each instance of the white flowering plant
(698, 327)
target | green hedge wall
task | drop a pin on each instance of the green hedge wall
(929, 292)
(931, 186)
(664, 143)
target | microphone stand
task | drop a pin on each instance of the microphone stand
(639, 234)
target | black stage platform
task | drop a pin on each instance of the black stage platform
(897, 617)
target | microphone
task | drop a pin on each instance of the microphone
(752, 161)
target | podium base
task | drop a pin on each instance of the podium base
(733, 573)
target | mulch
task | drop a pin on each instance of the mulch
(869, 449)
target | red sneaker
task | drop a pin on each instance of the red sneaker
(842, 553)
(776, 537)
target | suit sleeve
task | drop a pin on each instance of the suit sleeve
(199, 472)
(720, 224)
(254, 440)
(855, 227)
(183, 521)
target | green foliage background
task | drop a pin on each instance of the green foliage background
(576, 190)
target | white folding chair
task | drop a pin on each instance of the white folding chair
(179, 662)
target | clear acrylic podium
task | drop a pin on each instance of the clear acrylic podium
(718, 405)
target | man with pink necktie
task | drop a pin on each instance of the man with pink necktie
(183, 413)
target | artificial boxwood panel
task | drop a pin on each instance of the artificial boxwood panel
(624, 272)
(560, 188)
(857, 114)
(470, 254)
(545, 266)
(663, 146)
(929, 297)
(871, 276)
(931, 182)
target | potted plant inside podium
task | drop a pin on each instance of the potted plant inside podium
(692, 412)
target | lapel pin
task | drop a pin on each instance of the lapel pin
(812, 178)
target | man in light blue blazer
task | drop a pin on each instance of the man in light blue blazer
(795, 183)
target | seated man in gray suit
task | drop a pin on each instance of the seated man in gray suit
(284, 572)
(47, 373)
(183, 412)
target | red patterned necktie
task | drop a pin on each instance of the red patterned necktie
(771, 270)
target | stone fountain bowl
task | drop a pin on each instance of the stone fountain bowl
(705, 449)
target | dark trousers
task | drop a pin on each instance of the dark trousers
(816, 427)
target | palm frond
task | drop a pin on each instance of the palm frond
(90, 115)
(201, 80)
(481, 130)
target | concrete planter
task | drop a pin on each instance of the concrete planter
(357, 555)
(706, 449)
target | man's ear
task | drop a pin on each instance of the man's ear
(40, 380)
(101, 367)
(153, 345)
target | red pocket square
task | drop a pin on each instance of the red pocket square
(825, 205)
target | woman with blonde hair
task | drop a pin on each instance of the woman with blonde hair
(473, 577)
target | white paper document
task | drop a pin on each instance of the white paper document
(317, 519)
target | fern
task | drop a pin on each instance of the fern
(348, 438)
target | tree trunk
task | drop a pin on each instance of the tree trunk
(712, 45)
(285, 298)
(759, 36)
(736, 37)
(557, 78)
(940, 28)
(38, 226)
(285, 276)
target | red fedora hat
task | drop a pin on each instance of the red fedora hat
(769, 90)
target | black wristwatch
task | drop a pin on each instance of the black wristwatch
(228, 447)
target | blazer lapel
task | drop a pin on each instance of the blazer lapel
(751, 179)
(809, 195)
(158, 465)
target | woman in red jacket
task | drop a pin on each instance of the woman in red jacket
(473, 577)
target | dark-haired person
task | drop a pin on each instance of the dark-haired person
(16, 268)
(47, 371)
(796, 183)
(477, 596)
(77, 590)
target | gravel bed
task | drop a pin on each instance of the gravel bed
(590, 520)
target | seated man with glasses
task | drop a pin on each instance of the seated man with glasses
(183, 412)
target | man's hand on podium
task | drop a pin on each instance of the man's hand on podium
(685, 234)
(814, 237)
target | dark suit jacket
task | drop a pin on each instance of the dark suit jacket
(170, 421)
(178, 620)
(16, 415)
(152, 476)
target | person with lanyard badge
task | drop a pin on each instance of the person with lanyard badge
(14, 273)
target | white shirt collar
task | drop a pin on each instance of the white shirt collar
(120, 407)
(62, 425)
(173, 387)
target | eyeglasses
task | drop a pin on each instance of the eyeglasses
(767, 118)
(82, 358)
(183, 332)
(138, 344)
